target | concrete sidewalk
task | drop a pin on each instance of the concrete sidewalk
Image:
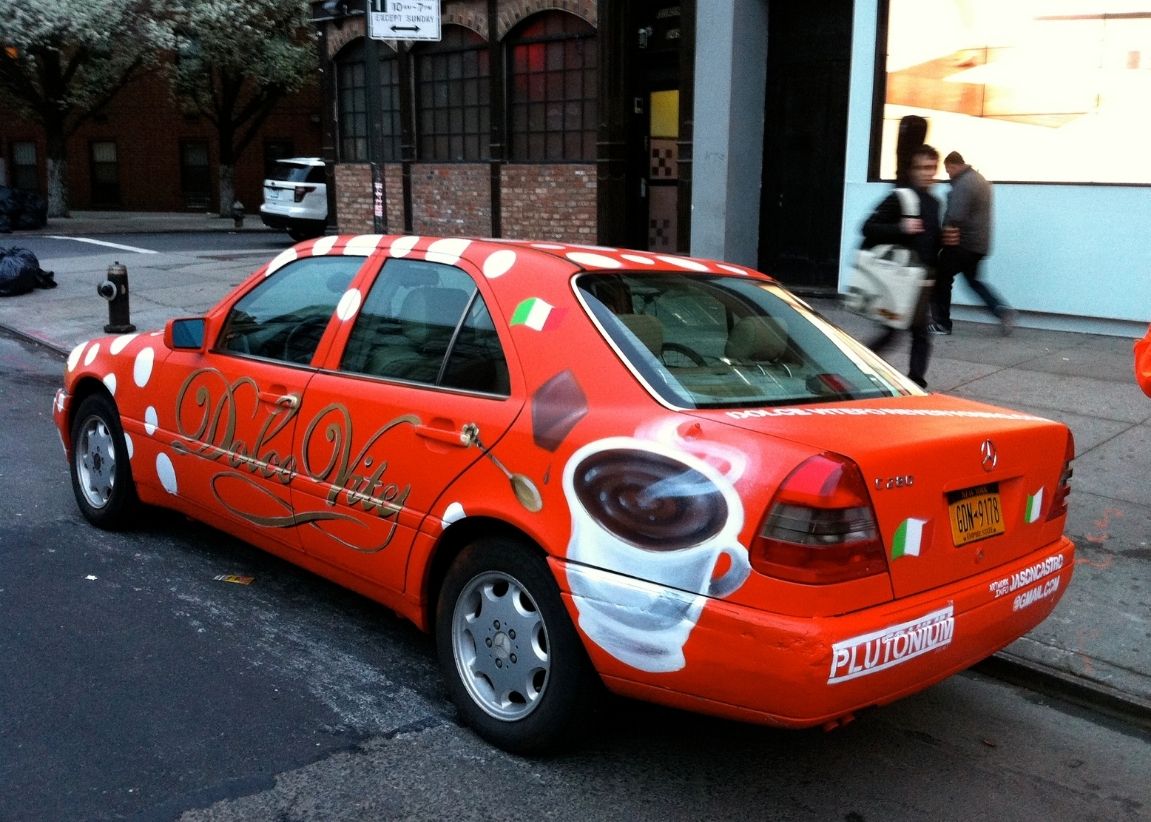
(1094, 646)
(87, 223)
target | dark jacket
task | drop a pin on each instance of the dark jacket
(883, 226)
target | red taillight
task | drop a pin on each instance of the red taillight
(303, 191)
(820, 528)
(1063, 489)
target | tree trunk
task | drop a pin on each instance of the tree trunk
(228, 190)
(57, 165)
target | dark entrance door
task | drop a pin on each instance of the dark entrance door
(805, 132)
(655, 124)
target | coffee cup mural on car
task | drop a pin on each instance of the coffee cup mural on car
(657, 520)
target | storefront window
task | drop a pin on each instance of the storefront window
(353, 109)
(453, 97)
(352, 97)
(552, 89)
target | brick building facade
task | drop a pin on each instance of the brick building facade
(144, 154)
(528, 119)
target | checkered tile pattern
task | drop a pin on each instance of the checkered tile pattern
(661, 235)
(664, 160)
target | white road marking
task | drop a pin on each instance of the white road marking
(101, 242)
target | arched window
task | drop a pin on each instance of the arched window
(453, 97)
(552, 88)
(352, 104)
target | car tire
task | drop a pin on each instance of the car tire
(300, 233)
(514, 665)
(101, 476)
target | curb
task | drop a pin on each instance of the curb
(47, 346)
(1043, 679)
(97, 231)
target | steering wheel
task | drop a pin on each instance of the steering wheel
(678, 350)
(300, 344)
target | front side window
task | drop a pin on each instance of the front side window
(552, 89)
(426, 322)
(284, 316)
(453, 97)
(725, 342)
(1044, 91)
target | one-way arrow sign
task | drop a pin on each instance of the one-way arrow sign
(404, 19)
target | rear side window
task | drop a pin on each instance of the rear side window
(706, 341)
(427, 323)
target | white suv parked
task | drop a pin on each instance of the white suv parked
(296, 197)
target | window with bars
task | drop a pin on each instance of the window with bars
(389, 108)
(351, 96)
(105, 171)
(25, 170)
(195, 174)
(351, 102)
(453, 98)
(552, 89)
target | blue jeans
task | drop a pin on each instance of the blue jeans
(955, 260)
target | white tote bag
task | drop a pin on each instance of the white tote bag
(888, 280)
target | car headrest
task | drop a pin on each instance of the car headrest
(648, 329)
(432, 312)
(756, 339)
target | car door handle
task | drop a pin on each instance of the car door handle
(280, 397)
(448, 436)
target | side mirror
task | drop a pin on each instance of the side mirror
(185, 334)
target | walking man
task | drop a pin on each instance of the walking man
(966, 241)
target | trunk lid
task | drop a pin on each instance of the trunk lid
(958, 487)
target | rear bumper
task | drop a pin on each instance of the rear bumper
(285, 219)
(752, 665)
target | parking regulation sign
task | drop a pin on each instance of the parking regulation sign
(404, 19)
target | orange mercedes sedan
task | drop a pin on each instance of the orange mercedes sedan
(582, 467)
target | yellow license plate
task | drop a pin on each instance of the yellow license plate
(976, 513)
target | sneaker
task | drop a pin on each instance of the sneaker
(936, 328)
(1007, 321)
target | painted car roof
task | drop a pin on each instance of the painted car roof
(481, 253)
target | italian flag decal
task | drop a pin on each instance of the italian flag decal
(536, 314)
(908, 538)
(1034, 505)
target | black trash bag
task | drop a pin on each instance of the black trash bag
(20, 272)
(9, 202)
(33, 211)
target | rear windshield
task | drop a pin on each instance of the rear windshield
(293, 173)
(706, 341)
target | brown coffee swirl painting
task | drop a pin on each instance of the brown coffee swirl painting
(649, 500)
